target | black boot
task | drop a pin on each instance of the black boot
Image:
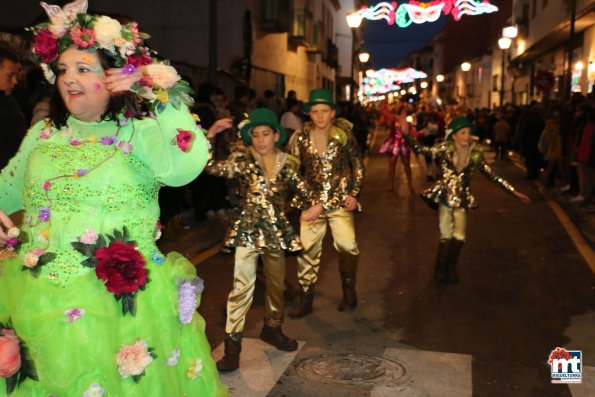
(349, 300)
(275, 336)
(231, 358)
(304, 307)
(441, 270)
(453, 257)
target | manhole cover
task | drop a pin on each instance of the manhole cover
(352, 369)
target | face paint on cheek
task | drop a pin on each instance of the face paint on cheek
(98, 86)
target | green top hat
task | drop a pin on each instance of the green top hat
(261, 116)
(321, 96)
(456, 124)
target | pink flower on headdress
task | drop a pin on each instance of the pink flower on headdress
(135, 33)
(139, 60)
(83, 38)
(46, 45)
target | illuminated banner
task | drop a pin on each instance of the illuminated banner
(419, 12)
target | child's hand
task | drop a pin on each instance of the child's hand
(311, 213)
(218, 126)
(350, 203)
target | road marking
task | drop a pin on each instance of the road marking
(575, 235)
(261, 366)
(203, 256)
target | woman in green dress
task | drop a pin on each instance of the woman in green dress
(88, 304)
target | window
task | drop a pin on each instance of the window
(302, 24)
(495, 79)
(533, 8)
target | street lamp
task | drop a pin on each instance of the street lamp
(423, 84)
(504, 44)
(465, 66)
(353, 21)
(364, 57)
(440, 78)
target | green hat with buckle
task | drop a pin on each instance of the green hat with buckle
(320, 96)
(456, 124)
(261, 116)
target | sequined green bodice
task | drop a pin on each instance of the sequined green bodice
(96, 177)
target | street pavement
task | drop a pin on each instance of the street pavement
(527, 287)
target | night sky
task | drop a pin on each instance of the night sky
(388, 44)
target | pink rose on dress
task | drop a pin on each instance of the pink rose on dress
(185, 139)
(10, 354)
(133, 359)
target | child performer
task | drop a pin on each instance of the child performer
(333, 169)
(458, 157)
(265, 174)
(395, 145)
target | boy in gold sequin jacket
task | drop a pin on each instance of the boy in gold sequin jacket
(332, 167)
(266, 175)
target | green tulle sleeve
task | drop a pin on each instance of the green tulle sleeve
(12, 176)
(155, 144)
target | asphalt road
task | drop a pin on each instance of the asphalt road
(524, 291)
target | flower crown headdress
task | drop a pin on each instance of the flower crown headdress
(71, 25)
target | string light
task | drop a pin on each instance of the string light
(414, 11)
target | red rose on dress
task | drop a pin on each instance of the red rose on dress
(122, 267)
(46, 46)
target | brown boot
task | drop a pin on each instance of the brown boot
(349, 300)
(441, 269)
(305, 306)
(231, 358)
(275, 336)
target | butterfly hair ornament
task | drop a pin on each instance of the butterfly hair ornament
(123, 43)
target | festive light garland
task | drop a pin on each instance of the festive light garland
(387, 80)
(419, 12)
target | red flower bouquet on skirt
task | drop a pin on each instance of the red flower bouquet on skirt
(118, 263)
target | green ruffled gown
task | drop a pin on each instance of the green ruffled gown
(86, 179)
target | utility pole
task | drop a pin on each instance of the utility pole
(570, 50)
(213, 41)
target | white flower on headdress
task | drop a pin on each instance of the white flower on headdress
(47, 72)
(161, 75)
(107, 30)
(58, 28)
(125, 48)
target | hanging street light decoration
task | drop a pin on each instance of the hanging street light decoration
(406, 13)
(383, 81)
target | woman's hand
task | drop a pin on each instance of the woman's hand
(121, 79)
(6, 225)
(218, 126)
(311, 213)
(525, 199)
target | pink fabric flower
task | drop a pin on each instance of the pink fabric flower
(83, 38)
(32, 258)
(185, 139)
(133, 359)
(10, 354)
(125, 147)
(47, 185)
(74, 314)
(90, 237)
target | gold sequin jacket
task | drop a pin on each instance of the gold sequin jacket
(452, 187)
(333, 175)
(261, 222)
